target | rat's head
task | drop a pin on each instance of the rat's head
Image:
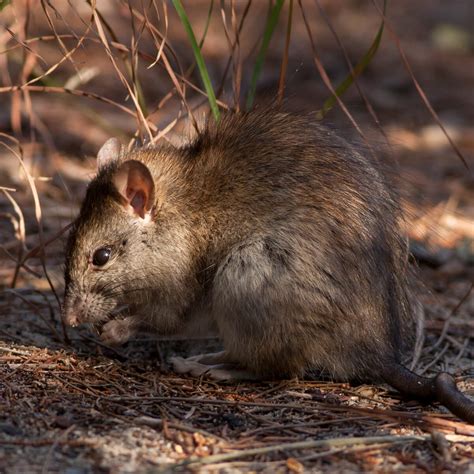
(109, 243)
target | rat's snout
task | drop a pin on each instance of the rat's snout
(77, 306)
(82, 306)
(71, 311)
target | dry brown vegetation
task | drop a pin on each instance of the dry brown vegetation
(75, 73)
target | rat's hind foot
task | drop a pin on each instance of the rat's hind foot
(216, 366)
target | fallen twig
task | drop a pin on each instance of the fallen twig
(309, 444)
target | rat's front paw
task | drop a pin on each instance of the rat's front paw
(118, 331)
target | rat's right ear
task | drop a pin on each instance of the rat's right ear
(109, 153)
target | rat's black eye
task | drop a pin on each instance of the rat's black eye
(101, 256)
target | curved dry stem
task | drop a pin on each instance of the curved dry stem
(328, 83)
(418, 87)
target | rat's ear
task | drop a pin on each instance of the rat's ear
(109, 153)
(135, 184)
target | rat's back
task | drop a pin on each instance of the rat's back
(273, 162)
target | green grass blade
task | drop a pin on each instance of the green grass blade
(199, 59)
(272, 20)
(190, 70)
(4, 3)
(356, 71)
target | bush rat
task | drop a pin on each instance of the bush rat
(277, 229)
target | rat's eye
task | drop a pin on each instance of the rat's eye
(101, 256)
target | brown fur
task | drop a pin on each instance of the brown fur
(286, 236)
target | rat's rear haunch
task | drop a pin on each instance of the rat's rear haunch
(281, 233)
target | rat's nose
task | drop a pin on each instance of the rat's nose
(70, 312)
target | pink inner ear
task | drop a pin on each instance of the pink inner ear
(134, 182)
(137, 199)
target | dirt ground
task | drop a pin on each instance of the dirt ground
(70, 404)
